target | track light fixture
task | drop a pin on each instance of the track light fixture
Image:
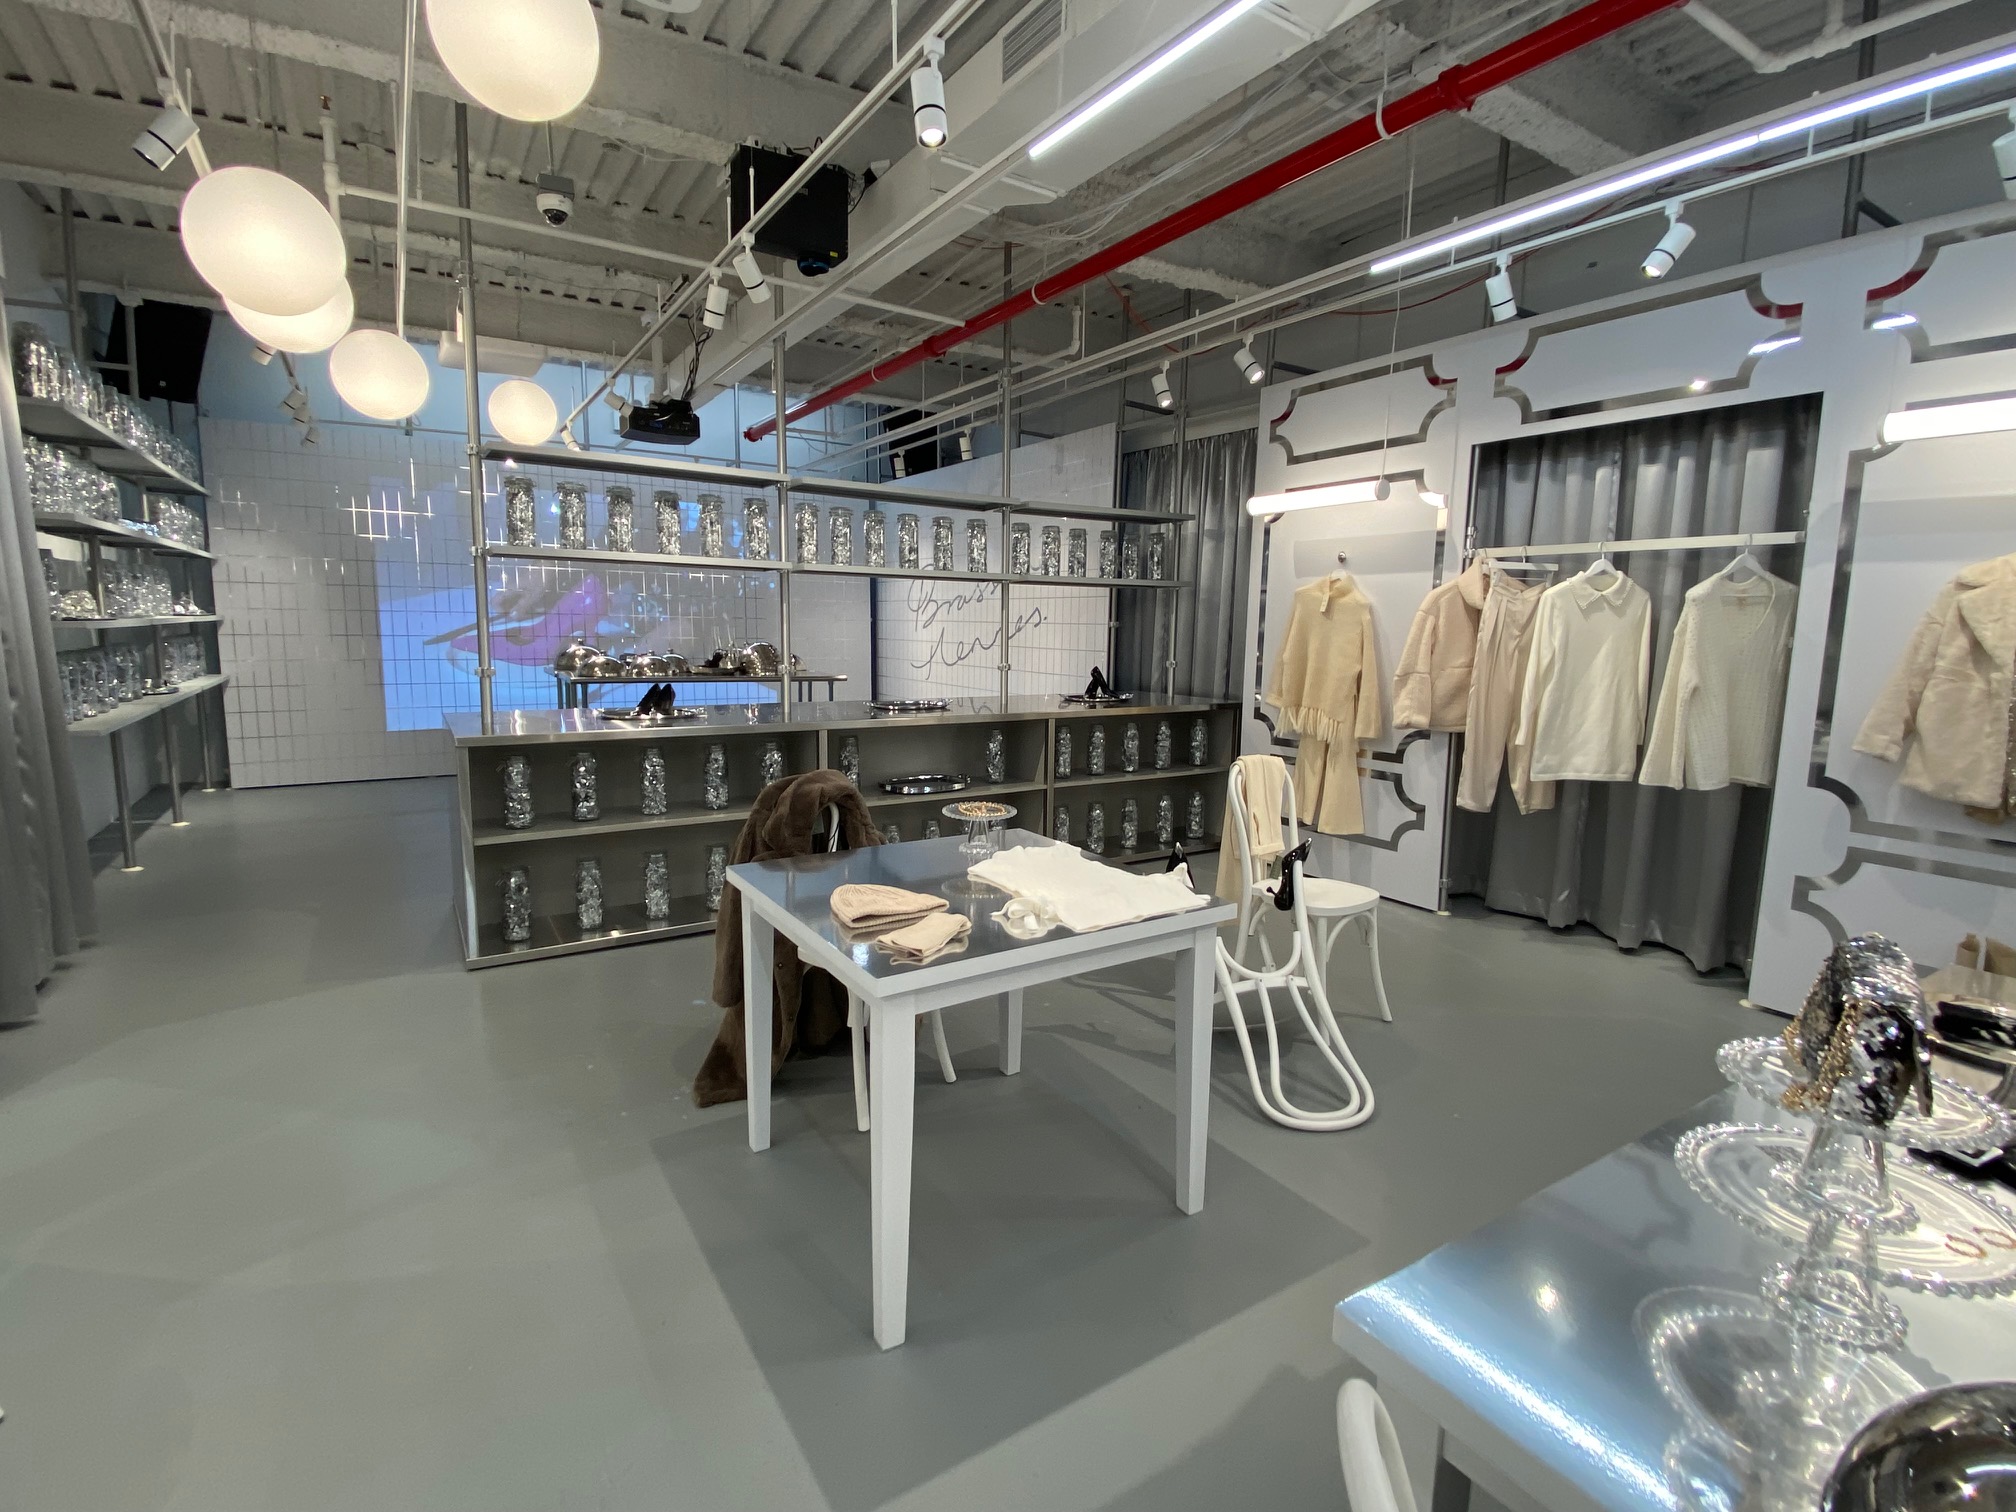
(899, 464)
(296, 404)
(1165, 397)
(1679, 236)
(714, 315)
(1249, 366)
(1498, 290)
(751, 273)
(165, 137)
(966, 446)
(312, 436)
(927, 96)
(2005, 156)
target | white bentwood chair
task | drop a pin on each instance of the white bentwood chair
(1375, 1477)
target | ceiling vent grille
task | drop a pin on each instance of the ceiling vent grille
(1033, 32)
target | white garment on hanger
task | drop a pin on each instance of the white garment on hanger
(1724, 695)
(1582, 713)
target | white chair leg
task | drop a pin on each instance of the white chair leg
(857, 1029)
(1375, 1474)
(1371, 917)
(938, 1040)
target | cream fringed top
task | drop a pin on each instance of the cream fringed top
(1326, 679)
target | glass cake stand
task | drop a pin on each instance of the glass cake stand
(985, 822)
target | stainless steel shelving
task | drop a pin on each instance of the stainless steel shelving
(51, 421)
(139, 622)
(115, 533)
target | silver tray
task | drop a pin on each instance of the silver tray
(910, 706)
(1096, 701)
(925, 783)
(648, 721)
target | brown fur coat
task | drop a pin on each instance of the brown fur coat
(811, 1008)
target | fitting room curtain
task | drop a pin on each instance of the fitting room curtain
(1641, 864)
(46, 903)
(1210, 626)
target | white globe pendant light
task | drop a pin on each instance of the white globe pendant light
(259, 238)
(316, 331)
(531, 60)
(378, 374)
(522, 412)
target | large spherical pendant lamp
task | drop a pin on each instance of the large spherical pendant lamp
(531, 60)
(522, 412)
(316, 331)
(259, 238)
(378, 374)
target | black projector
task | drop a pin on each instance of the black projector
(669, 422)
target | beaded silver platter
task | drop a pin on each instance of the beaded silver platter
(1962, 1122)
(909, 705)
(925, 783)
(629, 716)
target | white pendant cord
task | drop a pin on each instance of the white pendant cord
(1329, 1038)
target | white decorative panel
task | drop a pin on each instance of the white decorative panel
(1654, 352)
(1336, 419)
(1947, 300)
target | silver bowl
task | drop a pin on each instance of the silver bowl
(761, 659)
(647, 664)
(1952, 1449)
(570, 657)
(599, 665)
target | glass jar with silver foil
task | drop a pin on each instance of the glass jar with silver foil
(875, 536)
(906, 541)
(850, 759)
(1063, 762)
(1193, 817)
(588, 894)
(1130, 825)
(756, 545)
(517, 773)
(521, 512)
(573, 516)
(652, 795)
(997, 756)
(892, 834)
(1130, 747)
(657, 887)
(1095, 828)
(717, 875)
(1158, 555)
(941, 543)
(1095, 752)
(1165, 821)
(772, 762)
(665, 507)
(587, 805)
(1018, 550)
(517, 928)
(1051, 562)
(976, 545)
(805, 532)
(932, 831)
(714, 779)
(713, 525)
(621, 505)
(1200, 743)
(1165, 746)
(1130, 560)
(840, 531)
(1074, 551)
(1109, 556)
(1060, 827)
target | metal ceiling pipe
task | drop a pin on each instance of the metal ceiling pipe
(1455, 90)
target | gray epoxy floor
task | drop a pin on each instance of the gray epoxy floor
(296, 1213)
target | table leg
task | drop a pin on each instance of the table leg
(122, 796)
(1193, 1067)
(202, 702)
(759, 965)
(1011, 1031)
(176, 821)
(892, 1092)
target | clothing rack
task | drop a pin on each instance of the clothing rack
(1660, 543)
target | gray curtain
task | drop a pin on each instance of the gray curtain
(1211, 556)
(46, 905)
(1641, 864)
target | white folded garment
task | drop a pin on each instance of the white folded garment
(1083, 893)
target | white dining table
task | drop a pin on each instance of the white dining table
(791, 897)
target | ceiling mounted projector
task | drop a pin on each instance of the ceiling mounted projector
(669, 422)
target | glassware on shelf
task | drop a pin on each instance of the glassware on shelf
(713, 525)
(976, 546)
(932, 831)
(1165, 746)
(1095, 752)
(1130, 747)
(44, 372)
(517, 925)
(621, 505)
(997, 756)
(1109, 557)
(892, 833)
(717, 875)
(1130, 560)
(1051, 562)
(1200, 742)
(652, 797)
(875, 536)
(1060, 827)
(1165, 821)
(1074, 551)
(588, 894)
(941, 543)
(772, 764)
(1158, 552)
(521, 512)
(906, 541)
(573, 516)
(756, 545)
(586, 803)
(1095, 828)
(714, 782)
(986, 824)
(52, 586)
(657, 887)
(1130, 825)
(517, 773)
(665, 509)
(1063, 762)
(805, 532)
(1018, 550)
(840, 528)
(1193, 817)
(850, 759)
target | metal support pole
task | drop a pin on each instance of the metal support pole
(1174, 596)
(67, 203)
(1865, 65)
(1007, 466)
(175, 819)
(472, 398)
(124, 800)
(204, 738)
(132, 352)
(95, 554)
(786, 540)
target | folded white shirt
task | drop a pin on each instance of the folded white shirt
(1085, 894)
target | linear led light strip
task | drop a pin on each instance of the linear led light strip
(1970, 419)
(1670, 167)
(1182, 47)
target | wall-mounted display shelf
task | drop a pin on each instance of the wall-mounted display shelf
(54, 421)
(498, 552)
(138, 622)
(806, 737)
(145, 708)
(636, 464)
(115, 724)
(115, 533)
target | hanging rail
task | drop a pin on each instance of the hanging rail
(1660, 543)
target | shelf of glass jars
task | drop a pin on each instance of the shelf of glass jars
(635, 464)
(145, 707)
(1141, 774)
(1111, 851)
(137, 622)
(52, 420)
(615, 820)
(120, 533)
(497, 552)
(562, 934)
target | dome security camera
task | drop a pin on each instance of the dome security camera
(555, 199)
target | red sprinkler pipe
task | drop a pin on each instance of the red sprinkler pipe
(1456, 89)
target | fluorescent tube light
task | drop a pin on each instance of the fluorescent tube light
(1950, 420)
(1364, 491)
(1180, 48)
(1653, 173)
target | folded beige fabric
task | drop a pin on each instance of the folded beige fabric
(930, 937)
(868, 906)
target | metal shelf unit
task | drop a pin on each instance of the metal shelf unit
(49, 420)
(115, 533)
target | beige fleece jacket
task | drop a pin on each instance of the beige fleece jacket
(1326, 685)
(1431, 685)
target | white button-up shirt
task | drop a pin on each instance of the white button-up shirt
(1583, 713)
(1724, 694)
